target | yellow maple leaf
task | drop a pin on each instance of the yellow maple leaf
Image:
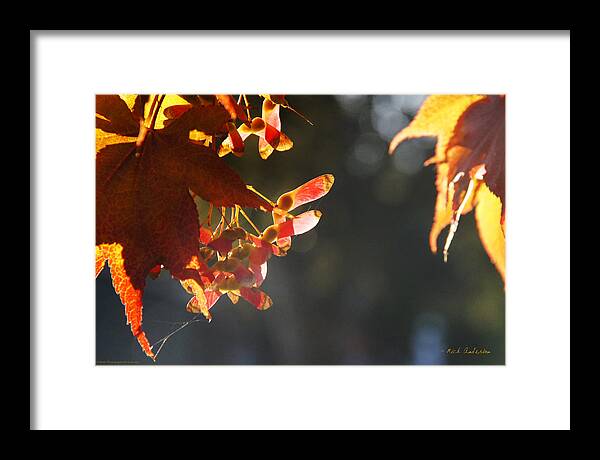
(470, 165)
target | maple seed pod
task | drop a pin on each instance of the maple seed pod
(270, 234)
(257, 125)
(285, 202)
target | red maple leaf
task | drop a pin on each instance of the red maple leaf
(145, 214)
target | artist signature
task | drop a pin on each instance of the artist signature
(467, 350)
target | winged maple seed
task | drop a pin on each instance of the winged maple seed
(266, 127)
(148, 173)
(470, 162)
(234, 261)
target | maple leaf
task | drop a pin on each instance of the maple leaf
(470, 162)
(206, 118)
(145, 214)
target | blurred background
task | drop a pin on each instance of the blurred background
(361, 288)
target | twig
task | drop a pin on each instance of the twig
(167, 337)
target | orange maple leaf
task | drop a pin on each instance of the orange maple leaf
(145, 215)
(470, 161)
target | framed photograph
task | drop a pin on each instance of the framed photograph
(352, 240)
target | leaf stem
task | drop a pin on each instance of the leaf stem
(258, 232)
(154, 100)
(223, 209)
(299, 114)
(252, 189)
(247, 107)
(168, 336)
(160, 101)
